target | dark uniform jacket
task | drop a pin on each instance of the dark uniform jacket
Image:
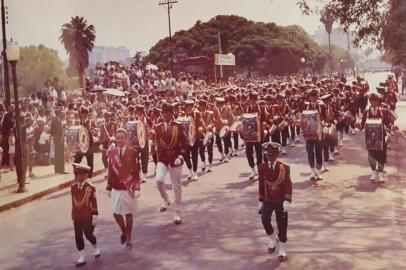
(275, 186)
(84, 203)
(170, 143)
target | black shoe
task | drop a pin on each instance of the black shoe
(271, 250)
(178, 221)
(163, 208)
(122, 239)
(128, 246)
(283, 258)
(80, 264)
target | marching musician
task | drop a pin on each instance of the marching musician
(314, 147)
(123, 185)
(84, 212)
(275, 192)
(329, 142)
(253, 107)
(280, 112)
(377, 157)
(170, 145)
(236, 110)
(144, 152)
(222, 118)
(89, 124)
(205, 136)
(192, 152)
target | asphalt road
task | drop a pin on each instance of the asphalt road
(342, 222)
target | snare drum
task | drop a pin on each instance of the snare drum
(136, 133)
(251, 127)
(224, 131)
(284, 124)
(77, 139)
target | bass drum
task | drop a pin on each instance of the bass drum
(77, 139)
(189, 128)
(136, 133)
(251, 127)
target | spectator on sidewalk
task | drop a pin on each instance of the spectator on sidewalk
(7, 123)
(11, 148)
(57, 133)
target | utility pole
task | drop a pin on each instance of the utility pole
(220, 52)
(6, 85)
(168, 4)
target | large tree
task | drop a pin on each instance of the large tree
(78, 39)
(38, 63)
(380, 22)
(261, 47)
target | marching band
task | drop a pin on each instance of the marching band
(264, 116)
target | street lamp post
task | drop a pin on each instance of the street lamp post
(342, 67)
(13, 55)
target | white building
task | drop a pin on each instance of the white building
(102, 54)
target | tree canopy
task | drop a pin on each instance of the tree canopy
(262, 47)
(38, 63)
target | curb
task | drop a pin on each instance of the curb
(41, 194)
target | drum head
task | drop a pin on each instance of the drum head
(141, 134)
(192, 132)
(207, 137)
(223, 131)
(83, 139)
(235, 125)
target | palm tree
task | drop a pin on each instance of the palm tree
(327, 19)
(78, 39)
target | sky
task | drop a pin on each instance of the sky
(137, 24)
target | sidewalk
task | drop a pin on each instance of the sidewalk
(45, 182)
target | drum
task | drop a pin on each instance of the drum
(251, 127)
(207, 138)
(374, 139)
(284, 124)
(272, 129)
(310, 124)
(224, 131)
(78, 139)
(136, 133)
(330, 135)
(189, 128)
(234, 127)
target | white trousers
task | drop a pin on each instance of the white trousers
(175, 174)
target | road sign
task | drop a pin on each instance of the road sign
(224, 59)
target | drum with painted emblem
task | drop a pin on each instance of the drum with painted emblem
(374, 138)
(310, 124)
(77, 138)
(251, 127)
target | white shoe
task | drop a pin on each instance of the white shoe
(226, 159)
(282, 255)
(325, 167)
(381, 177)
(352, 132)
(336, 151)
(260, 207)
(331, 158)
(176, 218)
(195, 177)
(204, 166)
(81, 260)
(143, 178)
(313, 175)
(222, 157)
(318, 175)
(293, 144)
(297, 140)
(341, 144)
(253, 174)
(96, 251)
(272, 244)
(210, 169)
(374, 176)
(284, 151)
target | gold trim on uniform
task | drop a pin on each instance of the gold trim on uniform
(85, 199)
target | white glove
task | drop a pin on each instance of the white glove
(94, 221)
(286, 206)
(178, 161)
(109, 193)
(224, 122)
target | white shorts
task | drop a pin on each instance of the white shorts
(122, 202)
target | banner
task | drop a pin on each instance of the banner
(224, 59)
